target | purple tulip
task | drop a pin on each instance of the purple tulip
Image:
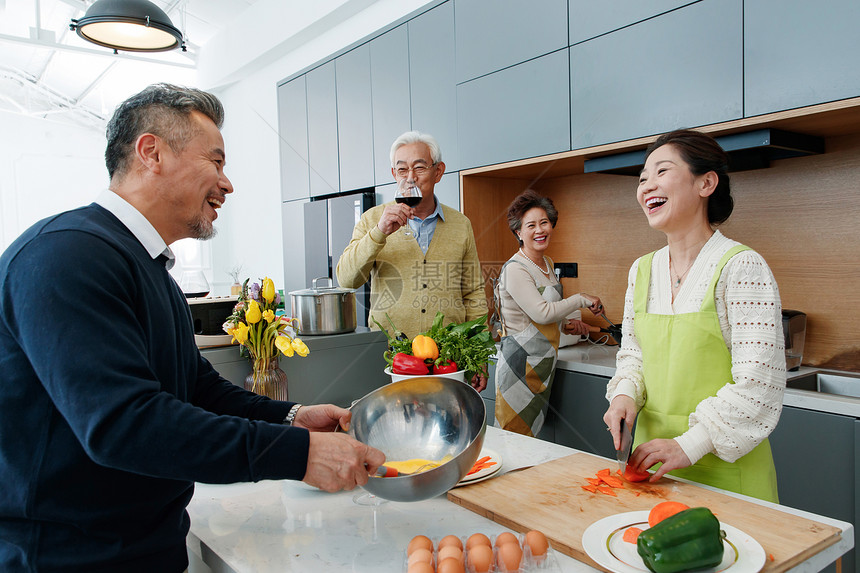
(254, 291)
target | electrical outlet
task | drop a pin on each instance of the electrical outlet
(566, 270)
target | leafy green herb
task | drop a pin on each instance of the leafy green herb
(469, 344)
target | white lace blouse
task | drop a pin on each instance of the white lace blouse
(742, 414)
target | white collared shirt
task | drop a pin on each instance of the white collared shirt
(139, 225)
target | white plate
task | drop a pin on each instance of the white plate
(487, 472)
(603, 542)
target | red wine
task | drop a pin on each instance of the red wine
(411, 201)
(195, 294)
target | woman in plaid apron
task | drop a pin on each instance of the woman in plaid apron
(532, 309)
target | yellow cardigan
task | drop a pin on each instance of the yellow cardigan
(407, 285)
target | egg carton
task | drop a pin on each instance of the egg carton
(529, 563)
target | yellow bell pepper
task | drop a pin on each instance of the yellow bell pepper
(425, 348)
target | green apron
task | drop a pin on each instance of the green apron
(684, 361)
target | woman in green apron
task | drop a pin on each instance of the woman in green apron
(531, 306)
(701, 368)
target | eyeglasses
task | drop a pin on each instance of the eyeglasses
(417, 170)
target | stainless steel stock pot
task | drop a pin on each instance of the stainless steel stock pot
(324, 309)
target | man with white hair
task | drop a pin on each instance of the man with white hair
(431, 266)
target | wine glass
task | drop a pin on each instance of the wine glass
(408, 193)
(367, 498)
(193, 283)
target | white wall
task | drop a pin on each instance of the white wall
(250, 223)
(45, 168)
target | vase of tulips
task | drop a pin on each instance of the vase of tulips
(264, 336)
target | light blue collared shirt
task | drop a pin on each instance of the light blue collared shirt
(139, 225)
(423, 229)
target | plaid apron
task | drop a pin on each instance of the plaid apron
(525, 368)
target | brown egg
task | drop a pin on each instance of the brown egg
(422, 555)
(480, 558)
(420, 567)
(450, 551)
(510, 556)
(537, 543)
(451, 540)
(477, 539)
(450, 565)
(419, 542)
(506, 537)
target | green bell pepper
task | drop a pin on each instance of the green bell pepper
(690, 539)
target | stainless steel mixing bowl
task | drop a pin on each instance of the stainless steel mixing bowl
(427, 418)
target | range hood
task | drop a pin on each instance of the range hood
(750, 150)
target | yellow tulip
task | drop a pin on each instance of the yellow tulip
(240, 333)
(268, 291)
(253, 314)
(300, 347)
(269, 315)
(283, 344)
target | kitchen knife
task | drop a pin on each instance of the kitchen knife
(624, 452)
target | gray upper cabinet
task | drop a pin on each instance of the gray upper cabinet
(293, 136)
(495, 34)
(354, 119)
(433, 80)
(799, 53)
(322, 130)
(389, 80)
(658, 75)
(293, 222)
(522, 111)
(589, 19)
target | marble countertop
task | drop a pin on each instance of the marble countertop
(289, 526)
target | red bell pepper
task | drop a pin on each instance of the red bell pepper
(448, 368)
(408, 365)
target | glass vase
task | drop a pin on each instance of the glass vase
(267, 379)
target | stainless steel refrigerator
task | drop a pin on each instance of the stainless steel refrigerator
(329, 222)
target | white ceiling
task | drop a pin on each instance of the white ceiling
(48, 71)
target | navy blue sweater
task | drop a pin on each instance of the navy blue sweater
(108, 412)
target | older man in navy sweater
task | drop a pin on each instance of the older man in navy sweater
(108, 412)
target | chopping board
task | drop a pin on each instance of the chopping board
(549, 497)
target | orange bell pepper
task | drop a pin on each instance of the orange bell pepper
(425, 348)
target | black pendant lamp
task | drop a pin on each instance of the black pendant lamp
(129, 25)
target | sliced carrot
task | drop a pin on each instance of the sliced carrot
(483, 460)
(603, 472)
(612, 481)
(606, 490)
(663, 510)
(478, 467)
(593, 481)
(630, 534)
(632, 475)
(771, 557)
(591, 488)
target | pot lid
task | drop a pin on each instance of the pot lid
(320, 290)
